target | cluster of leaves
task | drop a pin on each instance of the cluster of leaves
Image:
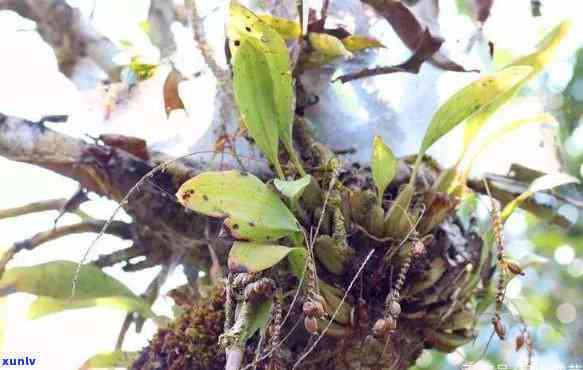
(262, 218)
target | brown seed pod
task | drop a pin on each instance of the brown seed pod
(418, 248)
(362, 312)
(382, 327)
(520, 340)
(313, 308)
(499, 328)
(513, 267)
(311, 324)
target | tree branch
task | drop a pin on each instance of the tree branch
(71, 35)
(117, 228)
(35, 207)
(162, 227)
(160, 17)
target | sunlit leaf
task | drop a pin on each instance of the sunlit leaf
(288, 29)
(292, 190)
(383, 164)
(107, 360)
(262, 81)
(51, 282)
(546, 49)
(537, 60)
(546, 182)
(255, 257)
(471, 99)
(328, 45)
(358, 43)
(503, 131)
(172, 100)
(142, 70)
(527, 311)
(252, 211)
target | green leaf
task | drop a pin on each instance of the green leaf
(537, 60)
(298, 258)
(252, 211)
(328, 45)
(255, 257)
(259, 316)
(43, 306)
(358, 43)
(108, 360)
(288, 29)
(262, 81)
(503, 131)
(546, 182)
(471, 99)
(51, 282)
(527, 311)
(292, 190)
(384, 165)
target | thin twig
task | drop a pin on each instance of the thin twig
(34, 207)
(324, 12)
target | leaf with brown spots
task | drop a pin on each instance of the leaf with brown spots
(252, 211)
(172, 100)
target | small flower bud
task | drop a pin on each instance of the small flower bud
(311, 324)
(514, 267)
(520, 342)
(313, 309)
(499, 328)
(394, 309)
(382, 327)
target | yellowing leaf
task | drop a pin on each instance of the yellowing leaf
(503, 131)
(292, 190)
(288, 29)
(542, 183)
(384, 165)
(262, 82)
(51, 282)
(469, 100)
(252, 211)
(255, 257)
(546, 49)
(537, 60)
(328, 45)
(358, 43)
(108, 360)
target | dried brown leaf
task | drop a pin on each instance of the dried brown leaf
(172, 100)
